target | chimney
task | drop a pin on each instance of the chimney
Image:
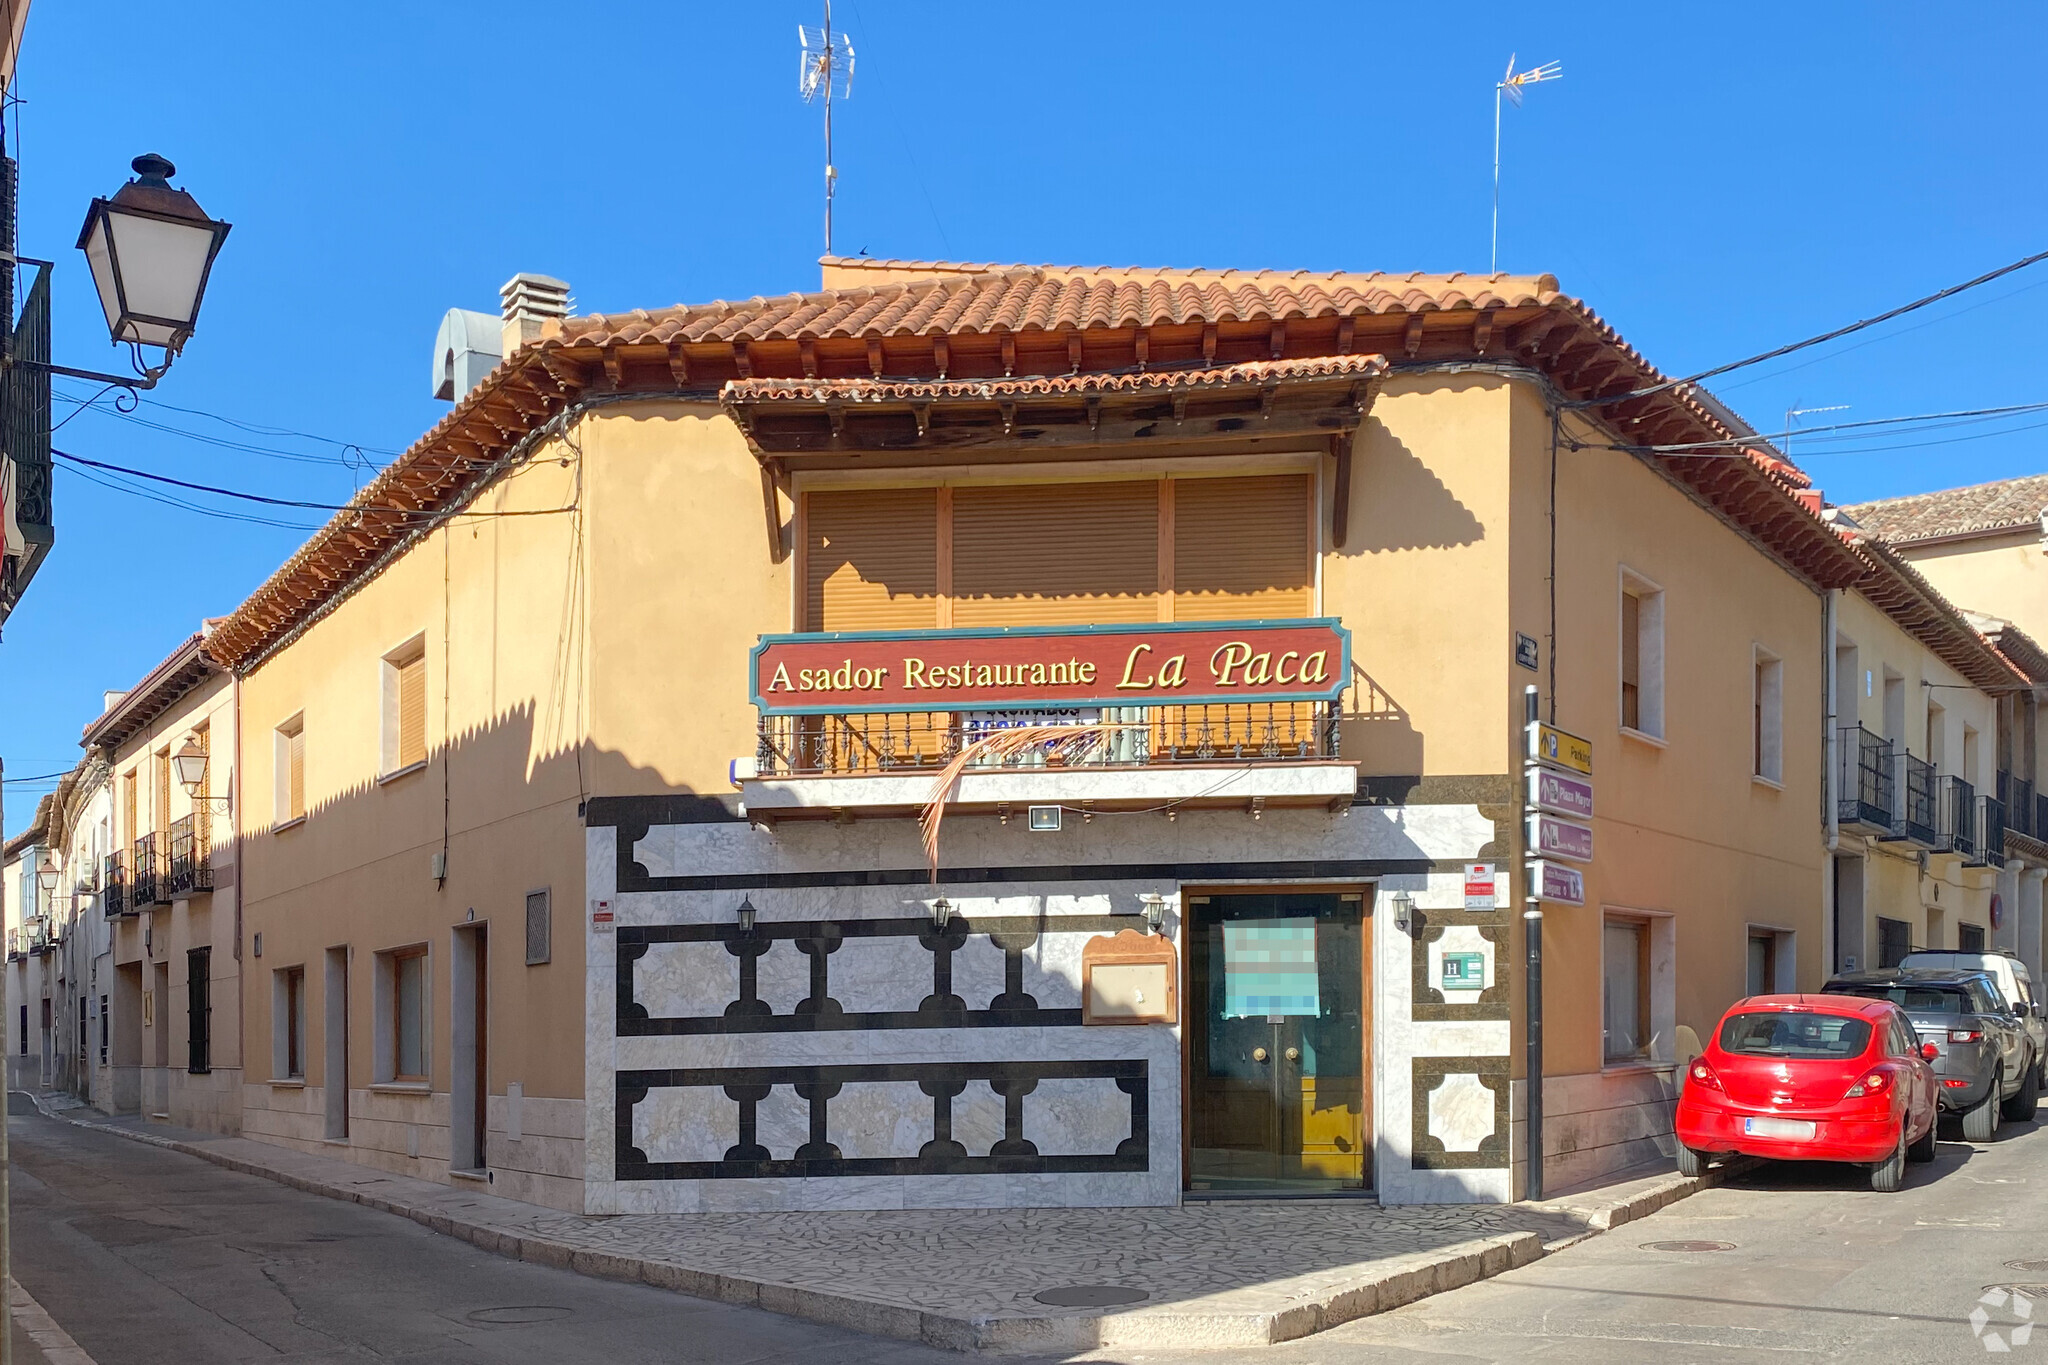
(109, 700)
(530, 302)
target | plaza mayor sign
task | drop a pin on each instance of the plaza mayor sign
(1016, 667)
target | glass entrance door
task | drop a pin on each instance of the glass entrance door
(1277, 1039)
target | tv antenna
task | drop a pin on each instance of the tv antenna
(1795, 412)
(1511, 85)
(825, 67)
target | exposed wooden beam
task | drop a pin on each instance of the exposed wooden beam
(807, 353)
(1411, 337)
(615, 368)
(743, 360)
(1009, 348)
(875, 356)
(679, 364)
(1482, 331)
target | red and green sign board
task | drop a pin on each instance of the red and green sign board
(1022, 667)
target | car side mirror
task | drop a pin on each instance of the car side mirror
(1929, 1051)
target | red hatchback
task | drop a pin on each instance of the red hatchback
(1810, 1078)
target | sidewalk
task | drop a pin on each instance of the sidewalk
(1219, 1274)
(38, 1340)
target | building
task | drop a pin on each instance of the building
(33, 1050)
(168, 894)
(1982, 547)
(58, 969)
(1322, 530)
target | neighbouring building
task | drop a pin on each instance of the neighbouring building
(33, 1050)
(597, 853)
(58, 969)
(168, 895)
(1984, 547)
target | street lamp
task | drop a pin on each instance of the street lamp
(46, 876)
(190, 761)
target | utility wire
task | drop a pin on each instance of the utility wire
(427, 513)
(1857, 326)
(1737, 442)
(40, 777)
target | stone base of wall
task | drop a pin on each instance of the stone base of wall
(1600, 1123)
(405, 1132)
(211, 1102)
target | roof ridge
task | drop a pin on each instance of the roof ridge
(1947, 492)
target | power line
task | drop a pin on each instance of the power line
(218, 491)
(1956, 418)
(39, 777)
(1857, 326)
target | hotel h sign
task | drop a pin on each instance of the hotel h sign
(1149, 664)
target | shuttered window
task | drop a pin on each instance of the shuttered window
(412, 710)
(289, 755)
(1240, 548)
(871, 559)
(161, 816)
(1056, 554)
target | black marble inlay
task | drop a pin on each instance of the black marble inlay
(631, 876)
(819, 1156)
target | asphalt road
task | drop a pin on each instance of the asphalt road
(145, 1255)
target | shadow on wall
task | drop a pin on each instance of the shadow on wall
(1398, 502)
(1377, 730)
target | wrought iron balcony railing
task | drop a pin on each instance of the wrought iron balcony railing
(2018, 795)
(191, 860)
(1869, 781)
(1958, 829)
(143, 879)
(869, 743)
(1990, 831)
(1917, 822)
(115, 899)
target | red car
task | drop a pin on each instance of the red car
(1810, 1078)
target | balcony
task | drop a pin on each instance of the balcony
(191, 867)
(1285, 753)
(1958, 819)
(1990, 833)
(143, 879)
(2018, 795)
(1869, 783)
(1917, 784)
(115, 880)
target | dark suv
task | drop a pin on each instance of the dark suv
(1981, 1051)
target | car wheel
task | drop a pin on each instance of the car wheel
(2020, 1108)
(1690, 1162)
(1922, 1148)
(1888, 1175)
(1980, 1122)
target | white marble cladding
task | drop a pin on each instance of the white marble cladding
(1061, 1116)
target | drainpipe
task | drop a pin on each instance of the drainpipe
(1831, 777)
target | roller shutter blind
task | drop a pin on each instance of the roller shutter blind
(295, 790)
(1056, 554)
(871, 559)
(412, 711)
(1240, 548)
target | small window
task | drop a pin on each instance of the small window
(1625, 989)
(1970, 938)
(405, 706)
(1769, 709)
(1795, 1033)
(289, 750)
(288, 1023)
(1763, 964)
(539, 930)
(409, 1015)
(1642, 655)
(104, 1028)
(1894, 941)
(199, 1010)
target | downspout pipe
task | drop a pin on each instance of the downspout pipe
(1830, 778)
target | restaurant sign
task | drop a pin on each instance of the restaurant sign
(1035, 667)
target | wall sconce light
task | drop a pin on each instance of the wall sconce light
(1155, 910)
(746, 915)
(1404, 909)
(942, 913)
(46, 876)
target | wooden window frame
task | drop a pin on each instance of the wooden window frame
(393, 759)
(285, 809)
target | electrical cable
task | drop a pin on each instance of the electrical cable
(40, 777)
(423, 513)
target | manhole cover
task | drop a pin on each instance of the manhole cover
(1688, 1246)
(2031, 1267)
(1091, 1296)
(2032, 1291)
(517, 1315)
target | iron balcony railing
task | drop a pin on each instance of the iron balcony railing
(1868, 780)
(143, 889)
(1990, 831)
(1130, 736)
(2041, 815)
(2018, 795)
(116, 879)
(191, 859)
(1958, 829)
(1917, 823)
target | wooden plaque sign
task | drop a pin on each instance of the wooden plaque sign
(1130, 978)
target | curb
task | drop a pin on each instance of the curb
(1401, 1281)
(45, 1336)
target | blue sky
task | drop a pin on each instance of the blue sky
(1713, 180)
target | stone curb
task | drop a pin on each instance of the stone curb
(1401, 1281)
(45, 1336)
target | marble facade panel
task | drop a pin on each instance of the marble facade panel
(978, 1119)
(683, 979)
(881, 1118)
(782, 979)
(782, 1122)
(978, 971)
(694, 1124)
(880, 974)
(1071, 1117)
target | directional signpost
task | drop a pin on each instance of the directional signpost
(1557, 806)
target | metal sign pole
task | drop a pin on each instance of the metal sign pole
(1532, 999)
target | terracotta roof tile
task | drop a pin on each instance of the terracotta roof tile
(878, 390)
(1984, 507)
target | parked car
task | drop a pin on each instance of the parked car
(2015, 986)
(1810, 1078)
(1980, 1050)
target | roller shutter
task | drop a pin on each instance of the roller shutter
(1240, 548)
(871, 559)
(1056, 554)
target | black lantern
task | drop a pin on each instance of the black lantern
(150, 247)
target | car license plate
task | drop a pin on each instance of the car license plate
(1778, 1128)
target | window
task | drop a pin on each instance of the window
(24, 1030)
(1642, 655)
(539, 935)
(1970, 938)
(402, 1015)
(84, 1016)
(1625, 990)
(103, 1030)
(199, 1010)
(289, 752)
(1763, 964)
(160, 814)
(1894, 941)
(288, 1023)
(405, 706)
(1769, 704)
(1795, 1033)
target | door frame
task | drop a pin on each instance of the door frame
(1367, 889)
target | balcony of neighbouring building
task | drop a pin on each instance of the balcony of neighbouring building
(1990, 850)
(1958, 814)
(115, 880)
(1916, 785)
(191, 858)
(144, 881)
(2018, 795)
(1245, 755)
(1870, 778)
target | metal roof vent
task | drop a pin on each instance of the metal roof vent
(530, 302)
(465, 350)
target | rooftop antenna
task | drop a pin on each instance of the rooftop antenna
(1795, 412)
(1511, 85)
(825, 67)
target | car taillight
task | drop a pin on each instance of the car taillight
(1965, 1035)
(1703, 1074)
(1873, 1083)
(1954, 1083)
